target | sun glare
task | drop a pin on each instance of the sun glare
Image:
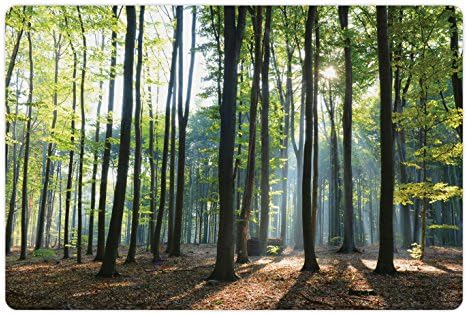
(329, 73)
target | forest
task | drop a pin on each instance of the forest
(233, 157)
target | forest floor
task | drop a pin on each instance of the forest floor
(272, 282)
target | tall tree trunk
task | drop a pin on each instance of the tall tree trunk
(24, 192)
(311, 263)
(152, 166)
(233, 37)
(66, 235)
(107, 145)
(385, 263)
(160, 213)
(456, 64)
(95, 162)
(9, 73)
(314, 193)
(12, 204)
(172, 164)
(348, 245)
(50, 147)
(111, 250)
(82, 136)
(242, 226)
(264, 222)
(182, 122)
(298, 150)
(137, 170)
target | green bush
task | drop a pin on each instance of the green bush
(335, 241)
(273, 249)
(416, 251)
(44, 253)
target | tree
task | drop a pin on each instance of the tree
(348, 246)
(308, 228)
(242, 226)
(107, 146)
(50, 146)
(137, 170)
(66, 236)
(170, 90)
(108, 265)
(182, 122)
(95, 163)
(264, 222)
(314, 191)
(385, 263)
(82, 136)
(456, 79)
(233, 36)
(24, 191)
(9, 73)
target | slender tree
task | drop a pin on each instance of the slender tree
(50, 149)
(137, 169)
(95, 162)
(108, 268)
(107, 145)
(314, 191)
(24, 191)
(311, 264)
(385, 263)
(233, 37)
(264, 222)
(348, 246)
(66, 236)
(182, 122)
(165, 151)
(456, 64)
(242, 226)
(82, 137)
(9, 73)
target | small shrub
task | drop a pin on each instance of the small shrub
(416, 251)
(273, 250)
(335, 241)
(44, 253)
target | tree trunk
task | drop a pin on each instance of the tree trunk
(385, 263)
(50, 146)
(66, 235)
(348, 245)
(160, 213)
(94, 164)
(311, 263)
(111, 250)
(264, 222)
(456, 64)
(182, 122)
(173, 131)
(106, 158)
(24, 192)
(242, 226)
(82, 136)
(314, 195)
(233, 36)
(9, 73)
(137, 170)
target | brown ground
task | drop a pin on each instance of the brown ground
(344, 282)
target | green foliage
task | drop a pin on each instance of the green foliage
(273, 250)
(443, 227)
(434, 192)
(44, 253)
(416, 251)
